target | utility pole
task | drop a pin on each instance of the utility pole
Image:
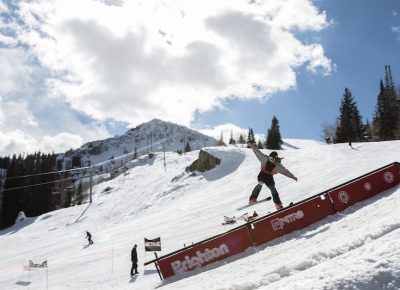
(3, 175)
(165, 164)
(90, 182)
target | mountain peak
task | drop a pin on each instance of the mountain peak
(155, 135)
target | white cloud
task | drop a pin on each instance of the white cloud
(50, 123)
(66, 61)
(3, 7)
(61, 142)
(19, 142)
(135, 60)
(16, 142)
(17, 114)
(15, 69)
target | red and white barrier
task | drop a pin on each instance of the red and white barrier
(206, 253)
(294, 218)
(365, 187)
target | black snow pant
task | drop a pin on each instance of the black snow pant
(134, 267)
(268, 180)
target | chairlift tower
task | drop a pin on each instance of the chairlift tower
(3, 176)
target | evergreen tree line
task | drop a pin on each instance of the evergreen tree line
(385, 125)
(28, 188)
(273, 140)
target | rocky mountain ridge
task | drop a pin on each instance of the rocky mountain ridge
(153, 136)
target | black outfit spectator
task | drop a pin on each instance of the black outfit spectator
(134, 260)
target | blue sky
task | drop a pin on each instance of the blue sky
(77, 71)
(360, 42)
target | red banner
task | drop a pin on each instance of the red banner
(206, 253)
(365, 187)
(291, 219)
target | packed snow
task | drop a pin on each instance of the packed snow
(354, 249)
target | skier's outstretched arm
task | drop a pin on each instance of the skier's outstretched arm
(282, 170)
(261, 157)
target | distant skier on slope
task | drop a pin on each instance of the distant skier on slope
(89, 237)
(270, 165)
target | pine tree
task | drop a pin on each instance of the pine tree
(241, 139)
(187, 147)
(259, 144)
(386, 118)
(231, 140)
(221, 141)
(398, 110)
(250, 136)
(358, 126)
(368, 136)
(274, 139)
(350, 127)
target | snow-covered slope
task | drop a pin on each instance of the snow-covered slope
(356, 249)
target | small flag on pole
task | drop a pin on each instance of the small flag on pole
(34, 265)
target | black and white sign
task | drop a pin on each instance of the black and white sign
(153, 245)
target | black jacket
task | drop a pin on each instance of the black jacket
(134, 255)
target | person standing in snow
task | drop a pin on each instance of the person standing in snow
(270, 165)
(89, 237)
(134, 260)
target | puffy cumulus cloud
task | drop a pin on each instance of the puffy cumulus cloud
(16, 112)
(61, 142)
(131, 61)
(3, 7)
(16, 70)
(17, 142)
